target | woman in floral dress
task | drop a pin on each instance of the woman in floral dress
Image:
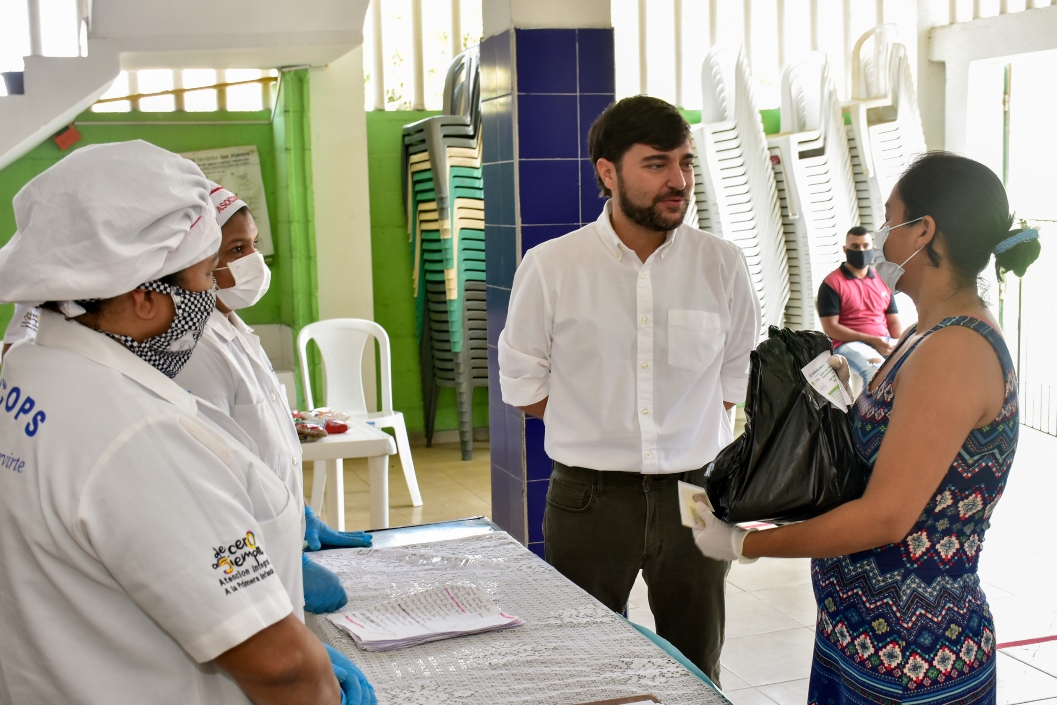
(902, 617)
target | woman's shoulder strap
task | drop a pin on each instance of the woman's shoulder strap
(988, 332)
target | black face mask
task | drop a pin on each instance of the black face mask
(860, 259)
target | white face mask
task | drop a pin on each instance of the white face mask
(252, 278)
(890, 272)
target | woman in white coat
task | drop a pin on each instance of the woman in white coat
(148, 556)
(230, 369)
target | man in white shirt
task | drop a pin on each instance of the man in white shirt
(630, 338)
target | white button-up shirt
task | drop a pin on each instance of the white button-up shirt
(636, 357)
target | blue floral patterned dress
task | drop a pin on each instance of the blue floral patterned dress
(909, 622)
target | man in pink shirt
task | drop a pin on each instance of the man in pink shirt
(858, 311)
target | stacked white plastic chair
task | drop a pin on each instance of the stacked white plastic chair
(736, 190)
(884, 127)
(816, 188)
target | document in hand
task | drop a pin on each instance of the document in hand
(431, 615)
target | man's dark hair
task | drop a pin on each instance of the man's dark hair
(639, 119)
(857, 231)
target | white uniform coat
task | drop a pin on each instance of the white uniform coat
(230, 369)
(138, 538)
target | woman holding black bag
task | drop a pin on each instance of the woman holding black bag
(901, 610)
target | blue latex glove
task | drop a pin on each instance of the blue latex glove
(318, 535)
(355, 690)
(323, 589)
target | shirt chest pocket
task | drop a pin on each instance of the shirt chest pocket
(695, 339)
(254, 419)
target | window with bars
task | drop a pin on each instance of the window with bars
(408, 46)
(191, 90)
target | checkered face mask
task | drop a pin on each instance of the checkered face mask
(171, 350)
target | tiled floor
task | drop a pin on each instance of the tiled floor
(451, 488)
(770, 607)
(771, 610)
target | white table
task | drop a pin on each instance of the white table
(361, 441)
(571, 649)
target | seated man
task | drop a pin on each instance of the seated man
(858, 311)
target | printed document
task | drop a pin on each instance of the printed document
(431, 615)
(823, 379)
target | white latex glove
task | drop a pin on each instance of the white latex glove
(717, 539)
(840, 365)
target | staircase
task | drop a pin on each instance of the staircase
(132, 34)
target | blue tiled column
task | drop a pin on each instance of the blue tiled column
(541, 90)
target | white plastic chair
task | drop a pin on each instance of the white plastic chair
(341, 343)
(735, 184)
(815, 182)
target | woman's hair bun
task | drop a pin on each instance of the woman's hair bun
(1020, 255)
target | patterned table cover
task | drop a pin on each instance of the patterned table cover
(570, 650)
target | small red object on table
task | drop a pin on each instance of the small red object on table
(333, 426)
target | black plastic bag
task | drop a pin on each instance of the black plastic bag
(796, 459)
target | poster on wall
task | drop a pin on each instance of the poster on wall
(238, 169)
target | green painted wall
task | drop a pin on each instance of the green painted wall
(394, 303)
(178, 132)
(771, 118)
(296, 241)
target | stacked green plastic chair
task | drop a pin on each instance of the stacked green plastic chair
(444, 195)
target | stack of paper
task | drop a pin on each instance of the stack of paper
(438, 613)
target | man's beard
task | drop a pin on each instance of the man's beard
(650, 217)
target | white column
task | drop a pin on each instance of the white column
(377, 55)
(879, 11)
(977, 13)
(848, 44)
(456, 28)
(930, 80)
(643, 79)
(746, 13)
(178, 96)
(83, 18)
(36, 42)
(814, 25)
(780, 7)
(952, 11)
(417, 60)
(678, 6)
(133, 89)
(341, 199)
(713, 21)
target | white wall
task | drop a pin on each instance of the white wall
(959, 45)
(342, 204)
(228, 34)
(500, 15)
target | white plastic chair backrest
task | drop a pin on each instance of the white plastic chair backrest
(870, 68)
(803, 87)
(341, 342)
(718, 84)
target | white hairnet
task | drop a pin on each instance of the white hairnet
(104, 220)
(226, 203)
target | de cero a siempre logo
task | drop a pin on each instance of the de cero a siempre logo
(243, 563)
